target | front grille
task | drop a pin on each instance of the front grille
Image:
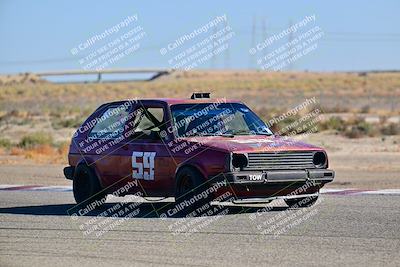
(283, 160)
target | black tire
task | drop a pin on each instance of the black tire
(191, 192)
(86, 187)
(301, 202)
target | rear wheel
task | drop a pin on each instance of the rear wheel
(301, 202)
(86, 187)
(191, 192)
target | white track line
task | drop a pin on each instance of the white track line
(356, 192)
(328, 191)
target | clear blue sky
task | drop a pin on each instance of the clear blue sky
(38, 35)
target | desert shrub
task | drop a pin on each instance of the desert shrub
(391, 129)
(20, 121)
(383, 119)
(44, 149)
(17, 117)
(35, 139)
(5, 143)
(16, 151)
(45, 154)
(18, 113)
(336, 109)
(316, 107)
(365, 109)
(286, 126)
(361, 129)
(334, 123)
(353, 132)
(59, 123)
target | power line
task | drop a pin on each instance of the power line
(276, 29)
(253, 42)
(290, 40)
(227, 54)
(330, 37)
(213, 56)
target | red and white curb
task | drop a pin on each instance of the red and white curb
(6, 187)
(328, 191)
(355, 192)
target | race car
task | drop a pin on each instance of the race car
(197, 150)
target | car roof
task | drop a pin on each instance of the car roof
(174, 101)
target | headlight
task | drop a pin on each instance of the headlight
(239, 161)
(319, 159)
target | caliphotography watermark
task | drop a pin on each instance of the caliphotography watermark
(95, 218)
(105, 49)
(196, 48)
(295, 124)
(198, 209)
(303, 39)
(303, 207)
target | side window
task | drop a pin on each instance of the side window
(111, 123)
(148, 122)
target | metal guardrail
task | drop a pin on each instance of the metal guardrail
(99, 73)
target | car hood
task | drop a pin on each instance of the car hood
(252, 143)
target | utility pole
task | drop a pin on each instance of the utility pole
(264, 33)
(213, 57)
(227, 54)
(253, 42)
(290, 39)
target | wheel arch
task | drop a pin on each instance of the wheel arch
(191, 165)
(91, 165)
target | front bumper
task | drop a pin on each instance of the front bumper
(69, 172)
(318, 176)
(264, 186)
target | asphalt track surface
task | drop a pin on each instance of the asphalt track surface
(362, 230)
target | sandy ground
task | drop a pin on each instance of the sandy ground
(365, 163)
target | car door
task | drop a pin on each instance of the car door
(102, 148)
(147, 159)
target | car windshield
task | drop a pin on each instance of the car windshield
(209, 119)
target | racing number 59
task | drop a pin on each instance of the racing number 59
(144, 169)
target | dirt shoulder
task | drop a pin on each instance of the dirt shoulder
(365, 163)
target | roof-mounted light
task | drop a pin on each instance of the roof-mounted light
(200, 95)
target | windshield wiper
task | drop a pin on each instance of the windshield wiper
(217, 134)
(239, 132)
(246, 132)
(265, 133)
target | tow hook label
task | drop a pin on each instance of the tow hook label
(255, 177)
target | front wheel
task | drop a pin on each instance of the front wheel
(301, 202)
(86, 187)
(191, 192)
